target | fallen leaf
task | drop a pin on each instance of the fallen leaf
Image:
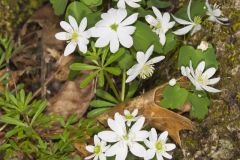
(71, 98)
(158, 117)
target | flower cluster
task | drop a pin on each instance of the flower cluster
(126, 137)
(116, 28)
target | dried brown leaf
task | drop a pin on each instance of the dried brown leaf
(158, 117)
(71, 98)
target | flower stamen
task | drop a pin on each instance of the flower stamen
(146, 71)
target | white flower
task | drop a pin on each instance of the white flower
(130, 117)
(215, 14)
(75, 35)
(161, 24)
(131, 3)
(191, 25)
(98, 149)
(115, 29)
(203, 46)
(144, 68)
(124, 138)
(172, 82)
(200, 78)
(158, 146)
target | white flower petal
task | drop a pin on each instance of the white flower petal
(82, 47)
(196, 28)
(113, 150)
(151, 20)
(66, 26)
(122, 153)
(137, 150)
(125, 40)
(119, 121)
(64, 36)
(201, 66)
(73, 22)
(120, 15)
(166, 17)
(129, 30)
(121, 4)
(148, 144)
(159, 156)
(132, 4)
(102, 157)
(141, 58)
(166, 155)
(213, 81)
(83, 24)
(90, 148)
(163, 136)
(90, 157)
(150, 154)
(170, 146)
(70, 48)
(108, 136)
(181, 21)
(135, 112)
(162, 38)
(96, 140)
(189, 10)
(149, 53)
(116, 127)
(137, 126)
(156, 60)
(141, 135)
(157, 13)
(135, 70)
(130, 20)
(210, 89)
(114, 43)
(153, 135)
(209, 72)
(126, 112)
(183, 30)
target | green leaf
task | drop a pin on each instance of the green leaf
(113, 70)
(13, 121)
(96, 112)
(82, 67)
(88, 79)
(170, 44)
(14, 131)
(101, 79)
(4, 147)
(144, 37)
(126, 61)
(105, 95)
(199, 106)
(198, 8)
(59, 6)
(132, 89)
(41, 107)
(158, 3)
(78, 10)
(101, 103)
(92, 18)
(115, 56)
(188, 53)
(92, 3)
(174, 96)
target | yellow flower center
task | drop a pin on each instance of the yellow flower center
(159, 25)
(125, 137)
(97, 149)
(146, 71)
(129, 117)
(197, 20)
(75, 36)
(159, 145)
(114, 27)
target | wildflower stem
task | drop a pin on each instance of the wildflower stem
(123, 85)
(112, 86)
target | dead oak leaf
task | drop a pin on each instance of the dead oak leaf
(157, 117)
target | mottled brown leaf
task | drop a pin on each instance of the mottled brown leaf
(158, 117)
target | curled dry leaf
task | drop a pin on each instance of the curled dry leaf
(157, 117)
(71, 98)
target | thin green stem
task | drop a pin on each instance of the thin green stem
(123, 85)
(112, 86)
